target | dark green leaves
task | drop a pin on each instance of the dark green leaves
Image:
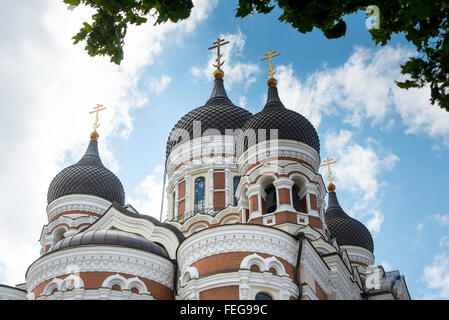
(424, 23)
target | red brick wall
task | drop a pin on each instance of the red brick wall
(320, 292)
(226, 262)
(221, 293)
(181, 208)
(182, 189)
(284, 196)
(313, 202)
(253, 203)
(219, 180)
(219, 200)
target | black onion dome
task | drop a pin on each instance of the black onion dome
(219, 113)
(110, 238)
(348, 231)
(290, 124)
(87, 176)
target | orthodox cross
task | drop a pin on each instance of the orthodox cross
(327, 163)
(270, 55)
(217, 44)
(96, 110)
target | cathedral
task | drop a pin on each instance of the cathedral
(249, 217)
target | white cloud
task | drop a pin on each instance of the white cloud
(159, 85)
(436, 277)
(149, 194)
(47, 86)
(364, 89)
(235, 71)
(443, 220)
(420, 227)
(444, 241)
(359, 170)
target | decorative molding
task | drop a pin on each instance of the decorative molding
(247, 281)
(263, 264)
(77, 202)
(100, 258)
(96, 294)
(237, 238)
(125, 284)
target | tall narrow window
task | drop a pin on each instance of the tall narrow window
(200, 194)
(296, 199)
(173, 204)
(270, 199)
(236, 181)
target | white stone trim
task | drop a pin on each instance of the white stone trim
(100, 259)
(11, 293)
(263, 264)
(125, 284)
(281, 287)
(77, 202)
(96, 294)
(237, 238)
(115, 219)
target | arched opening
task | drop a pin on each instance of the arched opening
(235, 182)
(58, 235)
(134, 290)
(254, 268)
(299, 201)
(263, 296)
(270, 199)
(116, 287)
(295, 197)
(200, 194)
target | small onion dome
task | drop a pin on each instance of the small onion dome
(290, 124)
(348, 231)
(88, 176)
(219, 113)
(110, 238)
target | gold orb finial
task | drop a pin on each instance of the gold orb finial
(94, 135)
(272, 82)
(327, 163)
(218, 74)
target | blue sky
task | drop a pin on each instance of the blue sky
(391, 145)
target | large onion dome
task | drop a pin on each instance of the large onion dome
(88, 176)
(110, 238)
(217, 115)
(348, 231)
(290, 124)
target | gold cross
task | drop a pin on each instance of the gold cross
(327, 162)
(270, 55)
(217, 44)
(96, 110)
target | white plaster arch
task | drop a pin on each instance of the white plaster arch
(231, 219)
(54, 284)
(263, 264)
(125, 284)
(189, 274)
(71, 282)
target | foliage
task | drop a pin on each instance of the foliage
(424, 23)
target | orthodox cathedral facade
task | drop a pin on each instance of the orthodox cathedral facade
(247, 219)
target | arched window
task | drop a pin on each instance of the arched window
(263, 296)
(270, 199)
(235, 181)
(296, 199)
(200, 194)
